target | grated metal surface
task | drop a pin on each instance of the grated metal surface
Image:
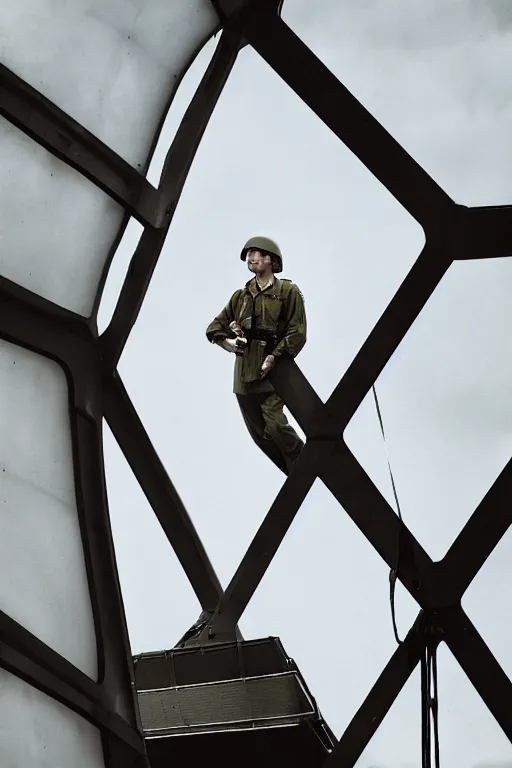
(229, 702)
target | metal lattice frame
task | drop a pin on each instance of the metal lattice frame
(453, 232)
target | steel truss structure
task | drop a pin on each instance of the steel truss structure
(453, 232)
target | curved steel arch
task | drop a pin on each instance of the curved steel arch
(33, 322)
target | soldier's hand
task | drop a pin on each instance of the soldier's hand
(236, 328)
(268, 364)
(234, 345)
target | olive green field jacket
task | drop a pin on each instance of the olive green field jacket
(274, 322)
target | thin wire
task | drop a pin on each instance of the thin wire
(429, 706)
(434, 705)
(425, 721)
(394, 571)
(429, 690)
(379, 414)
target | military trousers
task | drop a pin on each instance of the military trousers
(269, 428)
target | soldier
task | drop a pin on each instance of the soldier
(263, 321)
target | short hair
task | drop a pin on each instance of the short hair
(275, 261)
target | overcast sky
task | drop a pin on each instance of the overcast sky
(436, 73)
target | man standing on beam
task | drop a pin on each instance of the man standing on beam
(262, 322)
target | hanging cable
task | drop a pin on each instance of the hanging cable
(429, 690)
(425, 719)
(394, 571)
(429, 705)
(435, 708)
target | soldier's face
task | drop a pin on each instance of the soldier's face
(257, 261)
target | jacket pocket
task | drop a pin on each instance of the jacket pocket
(271, 310)
(253, 360)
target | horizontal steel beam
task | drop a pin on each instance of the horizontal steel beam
(65, 138)
(226, 9)
(483, 233)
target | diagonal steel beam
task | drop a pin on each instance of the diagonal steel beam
(378, 702)
(133, 440)
(479, 537)
(454, 233)
(303, 402)
(27, 657)
(433, 585)
(325, 457)
(429, 583)
(343, 475)
(264, 546)
(396, 320)
(468, 649)
(362, 501)
(176, 168)
(298, 66)
(65, 138)
(348, 483)
(15, 662)
(438, 584)
(480, 666)
(371, 514)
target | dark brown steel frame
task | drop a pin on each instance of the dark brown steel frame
(53, 129)
(35, 323)
(452, 232)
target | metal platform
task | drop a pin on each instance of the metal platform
(246, 699)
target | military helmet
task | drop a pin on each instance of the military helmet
(268, 246)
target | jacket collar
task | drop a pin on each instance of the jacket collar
(252, 286)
